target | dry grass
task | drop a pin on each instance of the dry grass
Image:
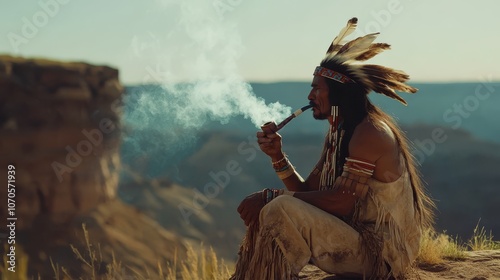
(481, 240)
(436, 247)
(203, 264)
(203, 267)
(199, 265)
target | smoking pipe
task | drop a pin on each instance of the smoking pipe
(271, 127)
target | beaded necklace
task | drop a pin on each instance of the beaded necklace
(331, 165)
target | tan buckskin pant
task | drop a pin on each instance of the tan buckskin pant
(305, 233)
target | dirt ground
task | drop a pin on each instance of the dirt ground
(479, 265)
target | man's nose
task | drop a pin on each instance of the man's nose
(311, 95)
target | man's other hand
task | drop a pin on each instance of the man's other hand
(250, 207)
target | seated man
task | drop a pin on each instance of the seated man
(362, 209)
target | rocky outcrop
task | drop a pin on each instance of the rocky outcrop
(60, 129)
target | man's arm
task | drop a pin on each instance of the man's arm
(292, 180)
(250, 207)
(332, 201)
(271, 145)
(368, 144)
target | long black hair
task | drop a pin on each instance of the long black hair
(355, 106)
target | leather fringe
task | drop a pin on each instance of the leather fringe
(261, 258)
(371, 245)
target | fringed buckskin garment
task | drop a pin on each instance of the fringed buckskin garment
(381, 241)
(382, 237)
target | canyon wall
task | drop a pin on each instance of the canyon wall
(60, 130)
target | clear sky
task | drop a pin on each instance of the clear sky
(434, 41)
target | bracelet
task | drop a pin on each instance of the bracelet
(281, 165)
(287, 173)
(264, 195)
(283, 168)
(275, 193)
(278, 161)
(270, 194)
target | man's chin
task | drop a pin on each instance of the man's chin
(318, 116)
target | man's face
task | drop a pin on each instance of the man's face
(319, 98)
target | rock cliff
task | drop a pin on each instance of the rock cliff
(59, 128)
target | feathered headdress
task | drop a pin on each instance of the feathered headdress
(341, 64)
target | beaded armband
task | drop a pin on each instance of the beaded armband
(355, 176)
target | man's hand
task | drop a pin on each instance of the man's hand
(270, 144)
(250, 207)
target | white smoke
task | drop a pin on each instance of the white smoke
(199, 80)
(213, 90)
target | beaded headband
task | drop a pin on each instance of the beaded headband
(333, 75)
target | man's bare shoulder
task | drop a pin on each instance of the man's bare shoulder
(371, 141)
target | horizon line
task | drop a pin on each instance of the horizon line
(308, 81)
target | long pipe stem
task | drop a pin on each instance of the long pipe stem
(271, 127)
